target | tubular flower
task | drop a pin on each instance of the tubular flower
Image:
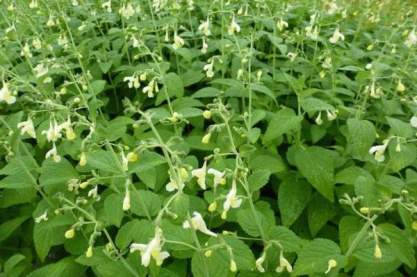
(6, 95)
(200, 174)
(283, 264)
(232, 201)
(151, 250)
(259, 262)
(197, 223)
(233, 27)
(337, 35)
(26, 127)
(379, 150)
(218, 177)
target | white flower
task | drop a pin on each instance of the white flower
(178, 42)
(379, 150)
(281, 24)
(54, 131)
(232, 201)
(26, 127)
(132, 81)
(205, 27)
(413, 121)
(331, 115)
(151, 250)
(33, 4)
(50, 22)
(218, 177)
(233, 27)
(283, 264)
(312, 32)
(327, 63)
(200, 174)
(54, 154)
(151, 88)
(37, 43)
(208, 68)
(25, 52)
(93, 193)
(40, 70)
(318, 119)
(42, 217)
(197, 223)
(6, 95)
(259, 262)
(292, 56)
(126, 200)
(337, 35)
(127, 11)
(107, 6)
(411, 39)
(173, 185)
(204, 47)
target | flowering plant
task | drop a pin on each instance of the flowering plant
(208, 138)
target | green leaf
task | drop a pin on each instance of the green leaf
(287, 238)
(319, 211)
(402, 159)
(317, 165)
(145, 203)
(113, 211)
(66, 267)
(348, 227)
(50, 233)
(312, 105)
(258, 179)
(400, 128)
(105, 161)
(399, 244)
(214, 266)
(135, 231)
(282, 122)
(366, 188)
(96, 86)
(293, 196)
(252, 222)
(7, 228)
(315, 255)
(55, 176)
(361, 137)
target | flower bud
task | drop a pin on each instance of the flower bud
(69, 234)
(414, 225)
(207, 114)
(212, 207)
(365, 210)
(206, 138)
(377, 252)
(83, 185)
(208, 253)
(233, 266)
(132, 157)
(89, 252)
(83, 159)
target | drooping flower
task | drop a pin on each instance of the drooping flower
(26, 127)
(377, 251)
(174, 185)
(232, 201)
(178, 42)
(400, 86)
(208, 68)
(379, 150)
(283, 264)
(218, 177)
(53, 152)
(413, 121)
(151, 88)
(318, 119)
(337, 35)
(126, 199)
(200, 174)
(127, 11)
(282, 24)
(33, 4)
(205, 27)
(40, 70)
(132, 81)
(151, 250)
(204, 47)
(331, 115)
(411, 39)
(6, 95)
(42, 217)
(233, 27)
(54, 131)
(107, 6)
(197, 223)
(259, 262)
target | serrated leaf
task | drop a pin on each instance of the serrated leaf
(283, 122)
(293, 196)
(317, 165)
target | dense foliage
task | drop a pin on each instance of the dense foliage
(208, 138)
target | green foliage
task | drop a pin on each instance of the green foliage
(208, 138)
